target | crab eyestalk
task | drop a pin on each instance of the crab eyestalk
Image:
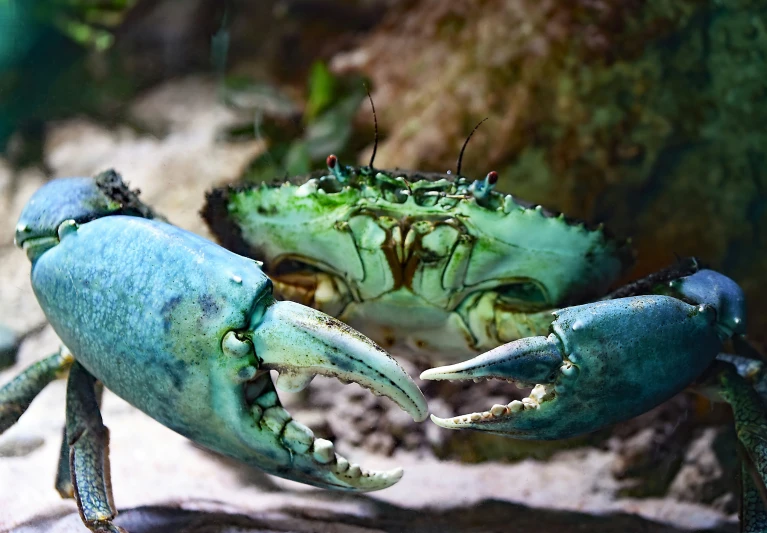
(481, 189)
(340, 171)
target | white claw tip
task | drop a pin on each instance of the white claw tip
(395, 474)
(444, 422)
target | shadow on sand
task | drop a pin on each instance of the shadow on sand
(488, 516)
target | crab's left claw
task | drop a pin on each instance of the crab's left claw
(602, 363)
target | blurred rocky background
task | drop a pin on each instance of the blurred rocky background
(646, 115)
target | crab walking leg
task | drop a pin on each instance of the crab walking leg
(735, 389)
(750, 417)
(88, 440)
(753, 513)
(63, 483)
(17, 395)
(732, 382)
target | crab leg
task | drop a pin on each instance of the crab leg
(9, 345)
(17, 395)
(88, 440)
(750, 417)
(753, 513)
(731, 380)
(63, 482)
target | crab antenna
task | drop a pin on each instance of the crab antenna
(375, 126)
(460, 156)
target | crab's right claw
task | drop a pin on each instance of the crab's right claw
(602, 363)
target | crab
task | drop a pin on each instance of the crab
(433, 265)
(442, 268)
(185, 331)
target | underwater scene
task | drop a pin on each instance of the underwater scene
(382, 266)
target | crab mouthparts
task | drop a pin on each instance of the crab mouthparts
(523, 362)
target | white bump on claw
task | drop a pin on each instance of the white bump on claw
(323, 451)
(234, 347)
(342, 465)
(541, 393)
(267, 400)
(275, 418)
(298, 437)
(354, 471)
(66, 228)
(293, 382)
(498, 410)
(529, 403)
(246, 374)
(516, 406)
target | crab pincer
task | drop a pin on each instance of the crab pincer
(187, 332)
(606, 361)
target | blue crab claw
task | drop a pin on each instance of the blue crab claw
(299, 343)
(78, 200)
(602, 363)
(188, 332)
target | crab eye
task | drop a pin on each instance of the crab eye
(309, 284)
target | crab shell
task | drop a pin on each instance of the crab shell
(430, 264)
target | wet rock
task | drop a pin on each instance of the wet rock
(710, 470)
(650, 448)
